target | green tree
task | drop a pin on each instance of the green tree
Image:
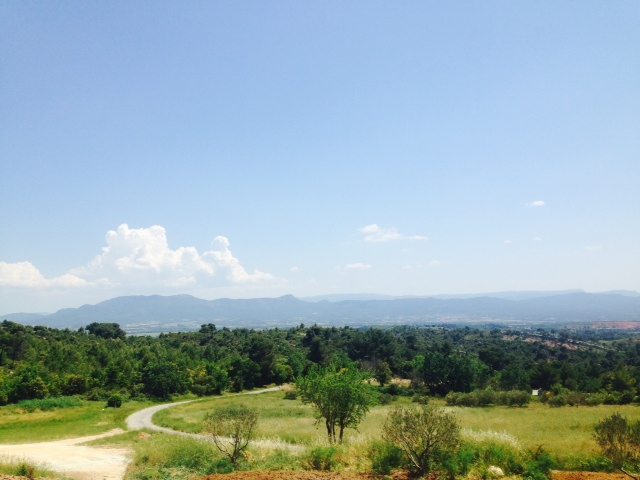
(163, 378)
(105, 330)
(232, 429)
(382, 373)
(340, 396)
(425, 435)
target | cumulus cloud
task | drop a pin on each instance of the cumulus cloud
(375, 233)
(358, 266)
(142, 257)
(26, 275)
(535, 203)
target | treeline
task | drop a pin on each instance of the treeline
(37, 362)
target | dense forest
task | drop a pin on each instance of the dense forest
(100, 360)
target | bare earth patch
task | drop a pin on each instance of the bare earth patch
(557, 475)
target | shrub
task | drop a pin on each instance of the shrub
(421, 399)
(424, 434)
(73, 384)
(46, 404)
(114, 401)
(25, 470)
(322, 458)
(385, 457)
(290, 393)
(540, 464)
(557, 400)
(619, 441)
(235, 422)
(385, 399)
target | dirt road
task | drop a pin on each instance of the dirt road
(143, 420)
(82, 462)
(72, 459)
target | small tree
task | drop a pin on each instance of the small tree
(424, 434)
(340, 395)
(232, 429)
(619, 441)
(382, 373)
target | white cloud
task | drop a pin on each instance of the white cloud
(294, 269)
(592, 248)
(142, 257)
(537, 239)
(358, 266)
(375, 233)
(508, 242)
(435, 263)
(26, 275)
(535, 203)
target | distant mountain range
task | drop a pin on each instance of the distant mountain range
(155, 313)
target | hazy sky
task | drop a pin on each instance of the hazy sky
(269, 147)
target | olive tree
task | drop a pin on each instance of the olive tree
(619, 441)
(341, 397)
(424, 434)
(232, 429)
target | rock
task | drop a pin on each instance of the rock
(495, 472)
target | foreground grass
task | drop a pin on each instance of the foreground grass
(565, 431)
(27, 470)
(89, 418)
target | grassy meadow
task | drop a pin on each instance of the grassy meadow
(20, 425)
(564, 431)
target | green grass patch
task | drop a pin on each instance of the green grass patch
(160, 456)
(46, 404)
(28, 470)
(18, 425)
(566, 432)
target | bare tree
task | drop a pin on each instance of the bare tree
(423, 434)
(232, 429)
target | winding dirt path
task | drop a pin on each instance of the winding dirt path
(72, 459)
(82, 462)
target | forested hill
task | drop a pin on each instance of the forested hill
(37, 361)
(145, 314)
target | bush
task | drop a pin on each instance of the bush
(385, 399)
(25, 470)
(114, 401)
(385, 457)
(74, 384)
(290, 393)
(235, 422)
(421, 399)
(557, 400)
(322, 458)
(539, 466)
(46, 404)
(424, 434)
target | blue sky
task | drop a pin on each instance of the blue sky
(337, 147)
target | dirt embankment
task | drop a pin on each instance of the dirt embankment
(588, 476)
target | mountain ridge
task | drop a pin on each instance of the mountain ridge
(157, 313)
